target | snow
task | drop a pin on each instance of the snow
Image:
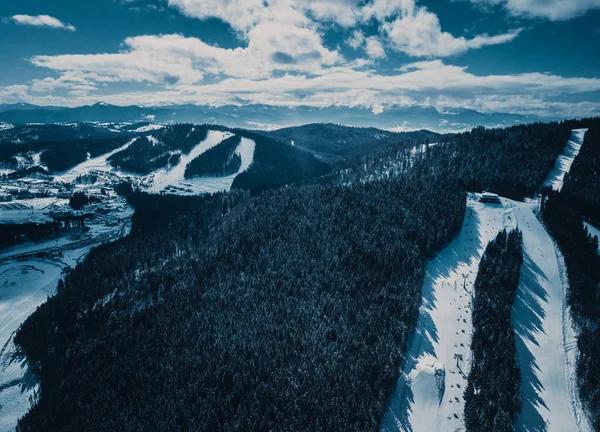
(174, 176)
(563, 163)
(593, 232)
(429, 393)
(148, 128)
(540, 321)
(29, 210)
(173, 180)
(427, 396)
(99, 163)
(26, 283)
(5, 126)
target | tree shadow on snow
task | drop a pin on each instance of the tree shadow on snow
(462, 250)
(527, 317)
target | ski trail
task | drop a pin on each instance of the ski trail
(537, 317)
(174, 175)
(429, 393)
(99, 163)
(174, 181)
(556, 176)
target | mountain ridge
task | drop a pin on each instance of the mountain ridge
(270, 117)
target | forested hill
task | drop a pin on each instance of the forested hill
(286, 310)
(333, 142)
(289, 311)
(276, 164)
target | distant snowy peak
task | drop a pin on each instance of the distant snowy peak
(260, 116)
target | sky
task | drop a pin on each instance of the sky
(520, 56)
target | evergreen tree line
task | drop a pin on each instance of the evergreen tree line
(582, 186)
(164, 148)
(493, 395)
(276, 164)
(218, 161)
(287, 311)
(14, 234)
(563, 213)
(60, 155)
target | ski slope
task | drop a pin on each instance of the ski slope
(99, 163)
(563, 163)
(175, 176)
(173, 181)
(429, 393)
(543, 335)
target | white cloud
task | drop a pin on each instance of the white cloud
(282, 60)
(417, 32)
(356, 39)
(554, 10)
(41, 21)
(374, 48)
(429, 82)
(174, 59)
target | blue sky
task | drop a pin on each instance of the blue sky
(524, 56)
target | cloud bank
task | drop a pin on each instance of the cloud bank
(283, 59)
(41, 21)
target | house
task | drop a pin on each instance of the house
(488, 197)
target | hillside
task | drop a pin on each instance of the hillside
(331, 142)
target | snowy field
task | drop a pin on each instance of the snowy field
(429, 393)
(25, 284)
(30, 210)
(565, 160)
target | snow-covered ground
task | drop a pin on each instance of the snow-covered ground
(565, 160)
(428, 396)
(99, 163)
(594, 232)
(25, 283)
(543, 335)
(29, 210)
(174, 176)
(429, 393)
(148, 128)
(173, 180)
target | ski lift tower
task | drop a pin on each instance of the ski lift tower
(458, 358)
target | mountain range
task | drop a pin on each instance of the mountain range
(268, 117)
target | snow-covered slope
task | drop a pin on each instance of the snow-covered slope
(544, 335)
(563, 163)
(429, 393)
(99, 163)
(173, 180)
(174, 176)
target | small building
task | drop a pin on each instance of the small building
(63, 194)
(488, 197)
(4, 197)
